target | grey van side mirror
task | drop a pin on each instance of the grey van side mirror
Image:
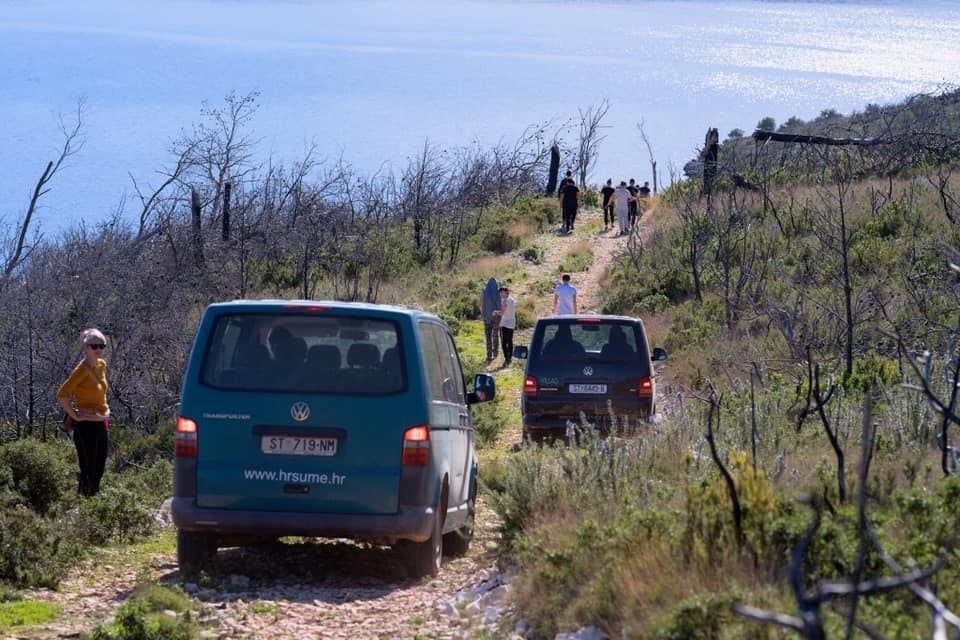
(659, 353)
(520, 353)
(484, 389)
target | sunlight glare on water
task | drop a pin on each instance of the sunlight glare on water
(371, 80)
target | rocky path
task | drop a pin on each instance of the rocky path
(336, 589)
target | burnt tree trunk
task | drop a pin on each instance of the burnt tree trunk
(554, 170)
(197, 226)
(711, 149)
(226, 212)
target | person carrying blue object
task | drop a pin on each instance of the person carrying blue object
(490, 310)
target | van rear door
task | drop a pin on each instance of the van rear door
(302, 412)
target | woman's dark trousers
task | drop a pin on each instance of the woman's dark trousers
(90, 438)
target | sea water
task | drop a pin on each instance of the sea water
(370, 81)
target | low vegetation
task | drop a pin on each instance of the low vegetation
(811, 319)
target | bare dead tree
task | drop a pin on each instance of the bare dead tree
(809, 622)
(714, 400)
(588, 143)
(653, 161)
(72, 144)
(817, 402)
(150, 203)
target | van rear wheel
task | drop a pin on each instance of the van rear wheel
(423, 558)
(194, 552)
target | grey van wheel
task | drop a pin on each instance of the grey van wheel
(194, 552)
(423, 558)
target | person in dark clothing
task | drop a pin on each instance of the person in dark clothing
(632, 210)
(644, 191)
(607, 191)
(569, 203)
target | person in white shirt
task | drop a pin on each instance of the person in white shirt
(508, 322)
(564, 297)
(621, 200)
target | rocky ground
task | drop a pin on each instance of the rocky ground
(337, 589)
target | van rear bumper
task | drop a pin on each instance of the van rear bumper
(409, 523)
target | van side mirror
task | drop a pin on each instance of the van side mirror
(659, 353)
(520, 353)
(484, 389)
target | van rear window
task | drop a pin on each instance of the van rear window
(615, 341)
(305, 354)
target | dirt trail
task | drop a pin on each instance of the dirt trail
(330, 589)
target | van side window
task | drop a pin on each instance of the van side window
(456, 372)
(431, 361)
(443, 367)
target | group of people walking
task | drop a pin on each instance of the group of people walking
(622, 201)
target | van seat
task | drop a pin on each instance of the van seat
(323, 357)
(363, 354)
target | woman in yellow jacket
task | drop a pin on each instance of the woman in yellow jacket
(84, 398)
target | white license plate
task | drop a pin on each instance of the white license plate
(588, 388)
(298, 446)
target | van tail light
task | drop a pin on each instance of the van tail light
(416, 447)
(185, 439)
(530, 386)
(645, 387)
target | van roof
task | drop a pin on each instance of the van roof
(278, 305)
(590, 317)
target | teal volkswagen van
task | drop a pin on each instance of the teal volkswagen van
(325, 419)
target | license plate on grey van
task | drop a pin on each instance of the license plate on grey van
(588, 388)
(298, 446)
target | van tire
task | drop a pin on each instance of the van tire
(423, 558)
(194, 552)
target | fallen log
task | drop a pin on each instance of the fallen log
(759, 135)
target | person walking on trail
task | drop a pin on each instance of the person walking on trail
(83, 397)
(607, 192)
(490, 310)
(644, 191)
(564, 297)
(569, 203)
(621, 205)
(508, 322)
(632, 209)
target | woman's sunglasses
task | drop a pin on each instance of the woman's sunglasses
(96, 346)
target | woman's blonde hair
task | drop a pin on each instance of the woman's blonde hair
(92, 335)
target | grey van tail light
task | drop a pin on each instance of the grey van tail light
(416, 446)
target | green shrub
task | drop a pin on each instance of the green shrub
(32, 553)
(700, 617)
(134, 448)
(147, 616)
(116, 513)
(39, 472)
(500, 240)
(532, 253)
(461, 305)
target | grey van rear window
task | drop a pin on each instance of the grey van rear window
(615, 341)
(304, 353)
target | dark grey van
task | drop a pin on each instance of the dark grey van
(325, 419)
(597, 365)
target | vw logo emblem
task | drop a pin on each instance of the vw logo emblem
(588, 371)
(300, 411)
